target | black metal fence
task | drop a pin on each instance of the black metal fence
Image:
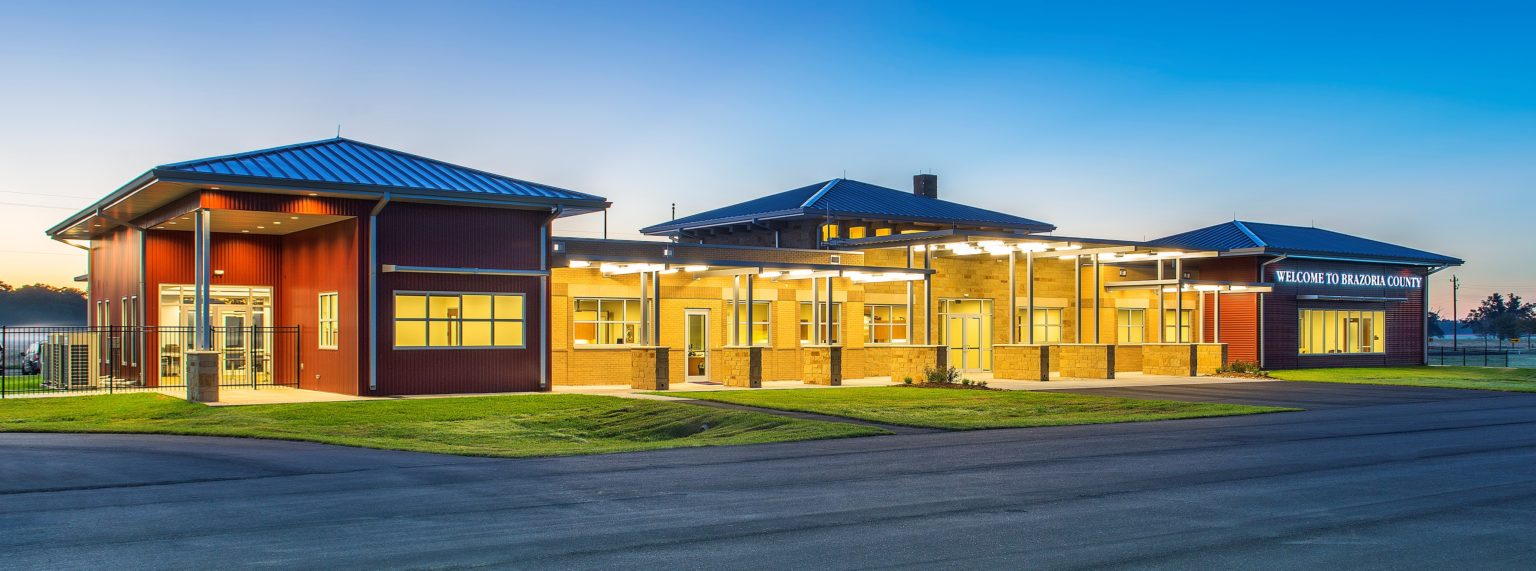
(1469, 356)
(90, 360)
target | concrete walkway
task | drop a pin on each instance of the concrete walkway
(679, 391)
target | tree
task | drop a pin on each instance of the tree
(41, 304)
(1503, 317)
(1435, 329)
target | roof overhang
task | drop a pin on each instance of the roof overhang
(159, 187)
(1173, 285)
(958, 242)
(1327, 257)
(667, 228)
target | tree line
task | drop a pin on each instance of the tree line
(1502, 316)
(41, 304)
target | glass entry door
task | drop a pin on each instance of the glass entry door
(696, 333)
(968, 333)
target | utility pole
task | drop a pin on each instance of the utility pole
(1455, 317)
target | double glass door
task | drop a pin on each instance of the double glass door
(968, 333)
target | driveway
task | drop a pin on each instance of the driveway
(1372, 477)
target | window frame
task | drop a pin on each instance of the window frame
(750, 322)
(805, 325)
(1178, 336)
(334, 321)
(600, 323)
(891, 327)
(1123, 328)
(1042, 330)
(395, 319)
(1332, 331)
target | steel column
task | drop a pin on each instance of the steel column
(1096, 288)
(201, 247)
(1013, 300)
(735, 310)
(1077, 306)
(751, 304)
(1178, 317)
(1029, 293)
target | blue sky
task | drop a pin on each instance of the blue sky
(1412, 123)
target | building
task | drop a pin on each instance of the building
(347, 267)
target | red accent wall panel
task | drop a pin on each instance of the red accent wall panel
(315, 261)
(114, 277)
(414, 234)
(1239, 312)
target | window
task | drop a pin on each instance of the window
(458, 320)
(882, 231)
(606, 321)
(885, 324)
(1332, 331)
(829, 231)
(1130, 326)
(806, 319)
(856, 232)
(1171, 320)
(758, 322)
(1047, 324)
(329, 331)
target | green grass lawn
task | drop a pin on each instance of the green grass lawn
(959, 409)
(1490, 379)
(523, 425)
(17, 383)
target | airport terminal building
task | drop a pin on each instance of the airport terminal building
(342, 266)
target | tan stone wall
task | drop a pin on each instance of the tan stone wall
(648, 368)
(1088, 361)
(1209, 357)
(910, 361)
(1128, 358)
(1021, 362)
(822, 365)
(1174, 359)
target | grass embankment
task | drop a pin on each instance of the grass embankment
(955, 409)
(510, 426)
(1481, 378)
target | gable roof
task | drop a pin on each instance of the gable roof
(846, 198)
(345, 161)
(1280, 239)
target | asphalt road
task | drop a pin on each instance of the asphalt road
(1369, 478)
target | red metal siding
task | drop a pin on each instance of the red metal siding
(314, 261)
(459, 237)
(287, 203)
(1404, 328)
(114, 277)
(1239, 311)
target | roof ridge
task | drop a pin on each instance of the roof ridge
(1249, 233)
(820, 193)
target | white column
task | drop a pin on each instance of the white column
(1029, 294)
(1013, 299)
(201, 248)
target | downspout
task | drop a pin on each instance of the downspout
(373, 292)
(1261, 309)
(545, 383)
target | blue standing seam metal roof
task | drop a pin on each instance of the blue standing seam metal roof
(1281, 239)
(847, 198)
(345, 161)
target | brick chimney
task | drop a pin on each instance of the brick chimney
(925, 185)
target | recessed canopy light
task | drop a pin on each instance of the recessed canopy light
(172, 222)
(293, 217)
(277, 221)
(314, 194)
(261, 227)
(246, 231)
(213, 188)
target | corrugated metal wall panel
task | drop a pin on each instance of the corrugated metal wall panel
(1404, 328)
(286, 203)
(315, 261)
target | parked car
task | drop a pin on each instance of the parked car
(32, 359)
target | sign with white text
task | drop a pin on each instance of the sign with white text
(1338, 278)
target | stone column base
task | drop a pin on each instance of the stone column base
(822, 365)
(202, 376)
(741, 367)
(1210, 357)
(1169, 359)
(1087, 361)
(648, 369)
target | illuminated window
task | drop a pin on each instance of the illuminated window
(1130, 326)
(758, 321)
(806, 318)
(885, 323)
(1047, 324)
(476, 320)
(1334, 331)
(882, 231)
(829, 231)
(1185, 326)
(601, 321)
(329, 331)
(856, 232)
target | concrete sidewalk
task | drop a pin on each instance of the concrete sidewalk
(679, 391)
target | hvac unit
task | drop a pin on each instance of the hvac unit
(69, 360)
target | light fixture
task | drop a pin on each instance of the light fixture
(213, 188)
(1068, 256)
(801, 273)
(261, 227)
(1122, 272)
(770, 275)
(1237, 288)
(277, 221)
(919, 248)
(669, 271)
(580, 263)
(173, 223)
(245, 231)
(293, 217)
(314, 194)
(692, 269)
(1071, 247)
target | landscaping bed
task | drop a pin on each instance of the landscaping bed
(973, 409)
(511, 426)
(1480, 378)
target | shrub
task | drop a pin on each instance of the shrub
(907, 380)
(1245, 367)
(941, 375)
